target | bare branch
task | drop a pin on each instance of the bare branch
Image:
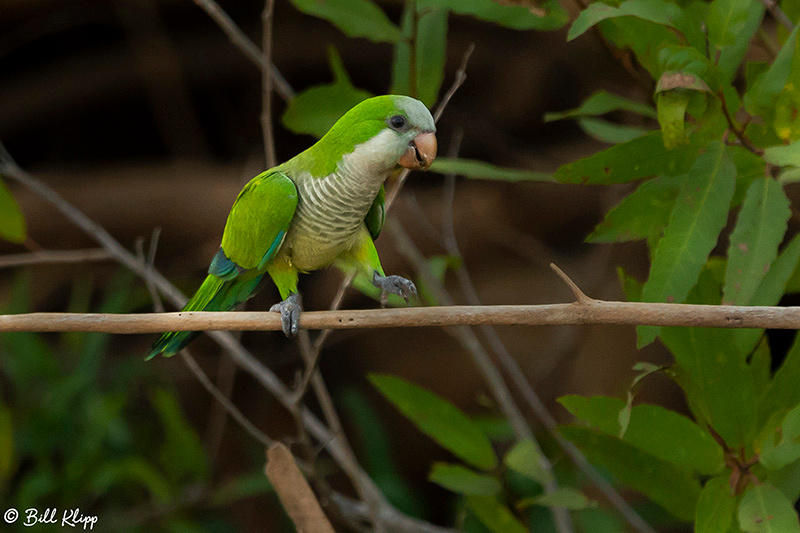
(595, 312)
(43, 257)
(266, 85)
(461, 77)
(778, 13)
(580, 296)
(296, 496)
(238, 38)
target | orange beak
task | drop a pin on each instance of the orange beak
(420, 153)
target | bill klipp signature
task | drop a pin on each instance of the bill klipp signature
(67, 518)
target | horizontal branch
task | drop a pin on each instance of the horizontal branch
(590, 311)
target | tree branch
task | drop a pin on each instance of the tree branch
(595, 312)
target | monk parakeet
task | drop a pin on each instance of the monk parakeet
(324, 206)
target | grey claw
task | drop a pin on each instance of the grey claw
(398, 285)
(290, 310)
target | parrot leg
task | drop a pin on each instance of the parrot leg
(290, 310)
(394, 285)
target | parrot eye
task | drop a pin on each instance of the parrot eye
(397, 122)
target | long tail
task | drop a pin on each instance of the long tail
(214, 294)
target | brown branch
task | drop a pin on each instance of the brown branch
(43, 257)
(238, 38)
(739, 132)
(266, 85)
(296, 496)
(594, 312)
(778, 14)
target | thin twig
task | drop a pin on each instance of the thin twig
(238, 38)
(778, 14)
(739, 132)
(562, 519)
(266, 85)
(43, 257)
(517, 377)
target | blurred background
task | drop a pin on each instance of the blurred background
(144, 115)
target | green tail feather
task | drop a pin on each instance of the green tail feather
(172, 342)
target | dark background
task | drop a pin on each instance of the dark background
(144, 115)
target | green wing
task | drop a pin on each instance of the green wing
(376, 214)
(257, 225)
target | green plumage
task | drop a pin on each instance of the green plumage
(323, 206)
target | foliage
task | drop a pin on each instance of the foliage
(72, 432)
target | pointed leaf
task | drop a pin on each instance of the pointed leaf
(754, 242)
(663, 433)
(642, 157)
(471, 168)
(700, 213)
(726, 20)
(356, 18)
(524, 458)
(431, 45)
(600, 103)
(762, 94)
(545, 15)
(672, 487)
(494, 515)
(781, 446)
(730, 58)
(657, 11)
(562, 497)
(439, 419)
(764, 509)
(783, 156)
(608, 132)
(671, 111)
(716, 506)
(12, 223)
(462, 480)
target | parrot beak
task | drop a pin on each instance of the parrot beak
(420, 152)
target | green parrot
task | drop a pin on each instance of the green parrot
(324, 206)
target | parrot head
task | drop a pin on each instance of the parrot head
(391, 131)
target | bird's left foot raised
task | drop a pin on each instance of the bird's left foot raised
(398, 285)
(290, 310)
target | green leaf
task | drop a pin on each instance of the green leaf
(755, 239)
(783, 156)
(662, 433)
(494, 515)
(315, 110)
(631, 287)
(524, 458)
(471, 168)
(671, 107)
(762, 94)
(726, 20)
(462, 480)
(657, 11)
(642, 157)
(781, 446)
(356, 18)
(719, 385)
(546, 15)
(641, 215)
(600, 103)
(672, 487)
(608, 132)
(700, 213)
(430, 53)
(787, 480)
(12, 223)
(784, 393)
(731, 57)
(563, 497)
(764, 509)
(182, 453)
(439, 419)
(239, 488)
(644, 38)
(716, 506)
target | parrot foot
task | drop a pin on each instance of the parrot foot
(290, 310)
(394, 285)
